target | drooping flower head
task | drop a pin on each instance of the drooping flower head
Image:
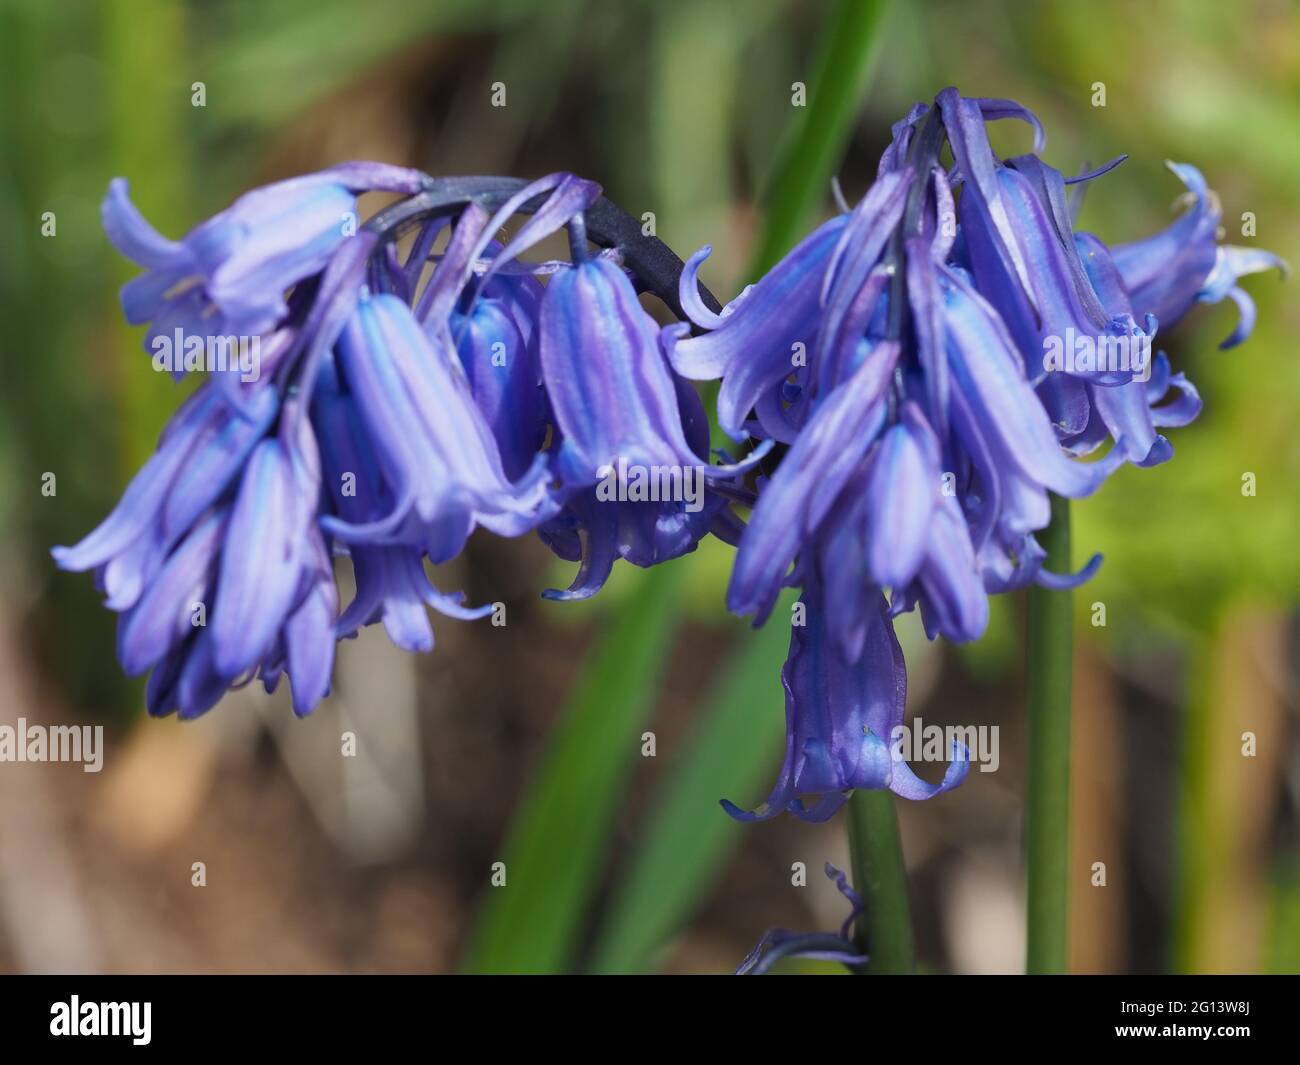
(629, 432)
(841, 717)
(900, 357)
(394, 417)
(936, 360)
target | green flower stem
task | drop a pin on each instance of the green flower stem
(885, 927)
(1047, 826)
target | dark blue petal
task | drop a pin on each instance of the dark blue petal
(904, 490)
(137, 239)
(764, 323)
(309, 638)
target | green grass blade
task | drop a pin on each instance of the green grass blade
(555, 853)
(733, 752)
(815, 141)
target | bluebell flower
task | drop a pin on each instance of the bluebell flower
(230, 274)
(610, 386)
(391, 584)
(198, 457)
(921, 518)
(244, 587)
(262, 558)
(596, 528)
(429, 439)
(1018, 247)
(579, 361)
(219, 557)
(900, 352)
(1128, 413)
(307, 640)
(778, 943)
(793, 503)
(841, 715)
(394, 417)
(631, 438)
(493, 340)
(760, 341)
(897, 355)
(1168, 273)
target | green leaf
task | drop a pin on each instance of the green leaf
(732, 752)
(556, 850)
(815, 142)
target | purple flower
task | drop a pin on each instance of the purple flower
(1184, 264)
(1019, 249)
(234, 581)
(820, 463)
(436, 454)
(596, 527)
(219, 556)
(610, 387)
(230, 274)
(489, 317)
(631, 437)
(902, 351)
(265, 549)
(392, 586)
(1128, 413)
(198, 457)
(841, 716)
(917, 355)
(900, 355)
(778, 943)
(494, 344)
(392, 421)
(760, 340)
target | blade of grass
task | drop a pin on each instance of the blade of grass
(557, 844)
(729, 754)
(815, 141)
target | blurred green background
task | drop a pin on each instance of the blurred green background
(530, 745)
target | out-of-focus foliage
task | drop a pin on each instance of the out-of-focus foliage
(552, 863)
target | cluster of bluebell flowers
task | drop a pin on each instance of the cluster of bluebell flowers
(898, 376)
(908, 356)
(404, 399)
(913, 379)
